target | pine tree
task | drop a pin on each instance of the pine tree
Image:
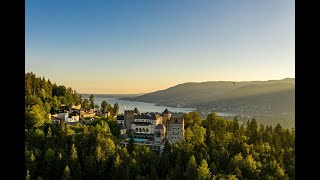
(235, 124)
(49, 133)
(191, 170)
(31, 165)
(73, 153)
(91, 99)
(59, 165)
(66, 173)
(178, 172)
(103, 106)
(115, 109)
(203, 170)
(77, 172)
(90, 165)
(99, 154)
(28, 175)
(208, 134)
(85, 104)
(153, 173)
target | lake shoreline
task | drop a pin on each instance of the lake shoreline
(126, 104)
(141, 106)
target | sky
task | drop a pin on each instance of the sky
(127, 47)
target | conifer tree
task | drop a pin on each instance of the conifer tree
(66, 173)
(191, 170)
(203, 170)
(28, 175)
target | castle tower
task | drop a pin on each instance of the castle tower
(159, 134)
(128, 118)
(175, 130)
(166, 115)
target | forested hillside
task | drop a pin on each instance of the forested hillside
(214, 148)
(195, 94)
(273, 100)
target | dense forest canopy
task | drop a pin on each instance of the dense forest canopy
(40, 91)
(214, 148)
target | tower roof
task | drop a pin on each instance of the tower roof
(176, 120)
(136, 111)
(166, 111)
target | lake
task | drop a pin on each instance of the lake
(144, 106)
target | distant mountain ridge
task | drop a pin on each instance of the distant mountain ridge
(278, 95)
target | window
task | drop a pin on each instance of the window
(147, 130)
(136, 129)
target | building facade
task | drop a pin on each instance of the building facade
(175, 130)
(120, 120)
(86, 114)
(166, 115)
(72, 118)
(159, 134)
(154, 127)
(128, 118)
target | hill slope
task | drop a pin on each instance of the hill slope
(269, 93)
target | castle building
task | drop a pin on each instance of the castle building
(152, 129)
(159, 134)
(175, 130)
(166, 115)
(145, 124)
(128, 118)
(120, 120)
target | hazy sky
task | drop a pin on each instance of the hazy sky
(138, 46)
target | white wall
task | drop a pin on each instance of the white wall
(73, 119)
